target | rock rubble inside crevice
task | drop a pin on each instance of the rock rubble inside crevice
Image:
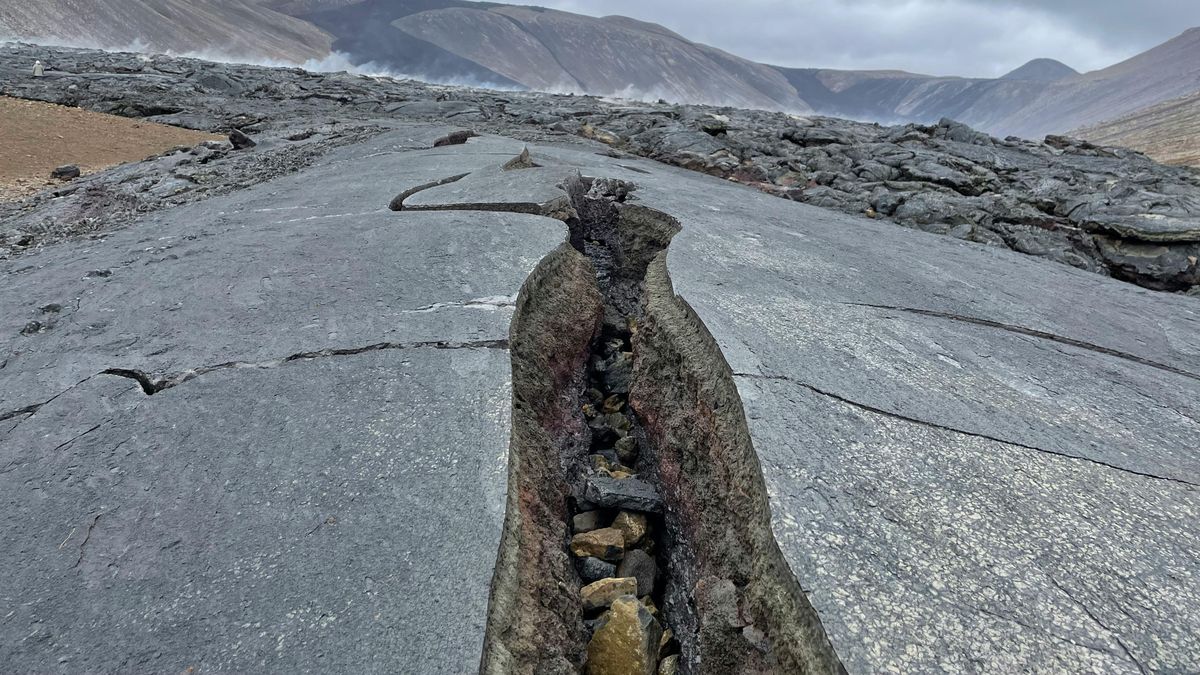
(615, 539)
(649, 596)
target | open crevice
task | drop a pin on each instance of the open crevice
(558, 208)
(637, 537)
(27, 410)
(962, 432)
(1034, 333)
(397, 203)
(154, 385)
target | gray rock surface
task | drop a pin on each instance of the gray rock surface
(326, 455)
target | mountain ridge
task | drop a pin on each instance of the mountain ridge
(523, 47)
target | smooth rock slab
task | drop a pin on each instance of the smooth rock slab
(335, 515)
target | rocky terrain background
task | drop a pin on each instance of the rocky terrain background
(1107, 210)
(521, 47)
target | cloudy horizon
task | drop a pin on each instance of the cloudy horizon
(973, 38)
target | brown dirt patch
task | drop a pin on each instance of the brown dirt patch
(37, 137)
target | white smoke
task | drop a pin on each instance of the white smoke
(335, 62)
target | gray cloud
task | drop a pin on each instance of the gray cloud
(944, 37)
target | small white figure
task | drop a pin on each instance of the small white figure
(38, 69)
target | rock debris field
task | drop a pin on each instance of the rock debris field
(405, 377)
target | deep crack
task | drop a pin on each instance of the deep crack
(397, 203)
(626, 420)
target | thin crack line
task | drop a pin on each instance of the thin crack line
(1034, 333)
(33, 408)
(964, 432)
(152, 386)
(86, 539)
(1087, 610)
(63, 445)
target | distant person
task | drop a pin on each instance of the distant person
(38, 69)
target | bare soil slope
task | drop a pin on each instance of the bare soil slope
(1169, 132)
(36, 137)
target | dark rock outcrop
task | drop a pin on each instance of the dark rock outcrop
(1106, 210)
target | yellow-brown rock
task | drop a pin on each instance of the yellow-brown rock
(632, 525)
(626, 643)
(602, 593)
(606, 544)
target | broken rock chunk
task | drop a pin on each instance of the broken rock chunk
(240, 140)
(68, 172)
(638, 564)
(595, 569)
(588, 521)
(633, 525)
(627, 450)
(601, 594)
(632, 494)
(618, 373)
(626, 641)
(605, 544)
(455, 138)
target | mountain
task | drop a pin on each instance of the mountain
(1167, 71)
(482, 43)
(894, 97)
(523, 47)
(1039, 98)
(1168, 131)
(548, 49)
(246, 28)
(1042, 70)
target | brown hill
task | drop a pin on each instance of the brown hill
(1169, 131)
(248, 28)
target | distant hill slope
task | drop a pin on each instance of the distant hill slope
(1042, 70)
(514, 46)
(250, 28)
(1167, 71)
(548, 49)
(1042, 97)
(471, 42)
(1169, 131)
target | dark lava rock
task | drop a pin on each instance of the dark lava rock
(632, 494)
(1107, 210)
(240, 140)
(68, 172)
(455, 138)
(641, 566)
(595, 569)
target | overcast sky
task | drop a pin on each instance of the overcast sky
(940, 37)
